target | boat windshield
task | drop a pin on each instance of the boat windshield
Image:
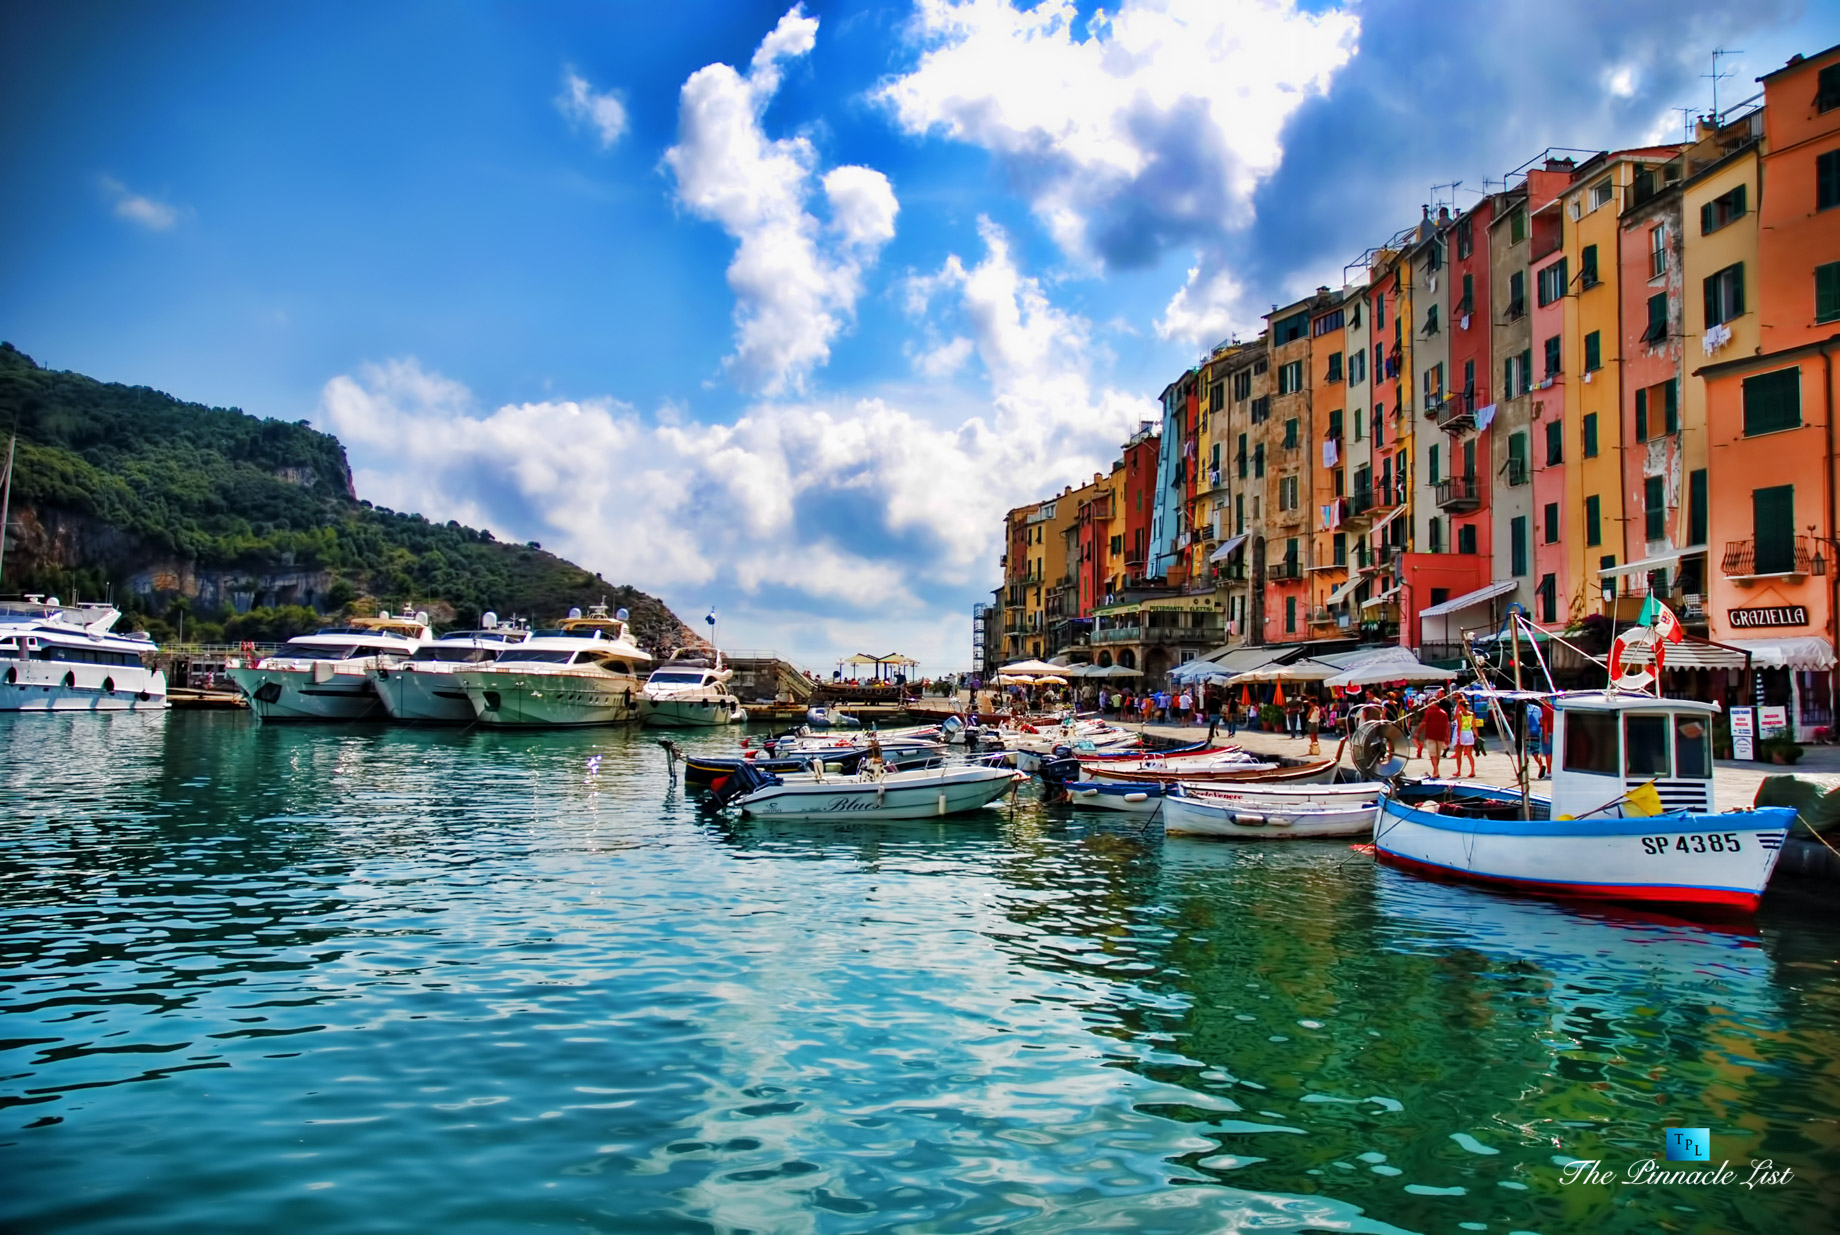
(540, 656)
(455, 653)
(667, 678)
(309, 651)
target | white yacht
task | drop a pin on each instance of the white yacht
(323, 676)
(422, 690)
(690, 693)
(66, 658)
(583, 672)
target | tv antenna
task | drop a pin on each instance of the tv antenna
(1715, 76)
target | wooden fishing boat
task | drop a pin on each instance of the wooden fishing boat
(1206, 815)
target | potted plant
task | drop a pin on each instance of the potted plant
(1271, 718)
(1780, 748)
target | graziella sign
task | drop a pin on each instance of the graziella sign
(1782, 615)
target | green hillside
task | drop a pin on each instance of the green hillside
(248, 526)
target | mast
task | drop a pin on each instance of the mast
(6, 496)
(1514, 637)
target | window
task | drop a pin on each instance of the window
(1696, 506)
(1773, 524)
(1242, 386)
(1517, 544)
(1290, 434)
(1517, 294)
(1641, 415)
(1380, 312)
(1434, 258)
(1517, 458)
(1517, 226)
(1551, 519)
(1242, 456)
(1214, 462)
(1335, 424)
(1433, 381)
(1549, 598)
(1290, 615)
(1287, 493)
(1725, 295)
(1593, 520)
(1654, 508)
(1339, 548)
(1436, 474)
(1721, 210)
(1590, 742)
(1601, 193)
(1587, 266)
(1261, 409)
(1589, 426)
(1357, 367)
(1327, 322)
(1772, 402)
(1555, 443)
(1466, 304)
(1657, 252)
(1469, 378)
(1239, 513)
(1657, 329)
(1290, 329)
(1217, 396)
(1552, 358)
(1434, 534)
(1431, 320)
(1645, 745)
(1827, 180)
(1551, 280)
(1692, 747)
(1290, 377)
(1826, 98)
(1466, 539)
(1258, 459)
(1466, 235)
(1335, 367)
(1379, 425)
(1341, 482)
(1593, 352)
(1359, 416)
(1827, 290)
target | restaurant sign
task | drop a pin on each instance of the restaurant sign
(1782, 615)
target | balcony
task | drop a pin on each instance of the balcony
(1119, 634)
(1516, 472)
(1285, 569)
(1360, 505)
(1459, 493)
(1516, 310)
(1789, 556)
(1455, 414)
(1322, 617)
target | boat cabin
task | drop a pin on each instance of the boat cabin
(1605, 743)
(405, 626)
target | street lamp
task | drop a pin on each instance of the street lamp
(1819, 565)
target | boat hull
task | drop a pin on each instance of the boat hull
(59, 686)
(1121, 796)
(689, 713)
(1718, 861)
(953, 792)
(550, 701)
(301, 694)
(1254, 773)
(1186, 816)
(421, 697)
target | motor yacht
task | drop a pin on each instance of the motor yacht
(690, 693)
(584, 671)
(422, 691)
(68, 658)
(325, 675)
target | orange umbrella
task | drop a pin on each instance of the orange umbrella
(1245, 696)
(1277, 696)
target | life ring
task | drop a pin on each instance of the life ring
(1636, 680)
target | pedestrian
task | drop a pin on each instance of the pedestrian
(1533, 735)
(1230, 711)
(1313, 718)
(1546, 736)
(1185, 708)
(1418, 736)
(1466, 736)
(1436, 729)
(1293, 718)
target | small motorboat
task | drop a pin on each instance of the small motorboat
(874, 793)
(708, 769)
(830, 718)
(1206, 815)
(1276, 770)
(1630, 817)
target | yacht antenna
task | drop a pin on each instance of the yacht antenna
(6, 498)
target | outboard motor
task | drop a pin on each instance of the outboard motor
(739, 783)
(1058, 771)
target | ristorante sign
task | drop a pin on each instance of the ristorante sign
(1782, 615)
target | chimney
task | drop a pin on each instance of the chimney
(1559, 165)
(1443, 214)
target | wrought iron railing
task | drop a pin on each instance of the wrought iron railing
(1782, 556)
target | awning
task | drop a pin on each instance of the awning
(1374, 602)
(1391, 515)
(1806, 652)
(1652, 563)
(1374, 673)
(1301, 671)
(1501, 587)
(1241, 659)
(1691, 653)
(1198, 671)
(1347, 589)
(1225, 551)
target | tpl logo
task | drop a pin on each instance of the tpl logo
(1689, 1144)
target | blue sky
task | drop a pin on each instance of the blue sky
(773, 310)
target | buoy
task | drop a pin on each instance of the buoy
(1137, 797)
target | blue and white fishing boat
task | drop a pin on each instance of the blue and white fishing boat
(1630, 818)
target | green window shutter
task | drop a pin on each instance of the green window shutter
(1654, 507)
(1593, 521)
(1290, 615)
(1526, 370)
(1590, 435)
(1708, 219)
(1773, 523)
(1657, 319)
(1827, 180)
(1827, 292)
(1517, 544)
(1436, 475)
(1696, 506)
(1641, 415)
(1772, 401)
(1507, 378)
(1670, 404)
(1555, 443)
(1341, 548)
(1517, 448)
(1593, 352)
(1551, 514)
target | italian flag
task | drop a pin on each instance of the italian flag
(1661, 618)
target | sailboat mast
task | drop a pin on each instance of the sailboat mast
(6, 499)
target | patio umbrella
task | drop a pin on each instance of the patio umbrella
(1031, 666)
(1245, 696)
(1277, 696)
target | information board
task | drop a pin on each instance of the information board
(1743, 734)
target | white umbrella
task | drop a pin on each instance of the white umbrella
(1363, 675)
(1031, 666)
(1116, 671)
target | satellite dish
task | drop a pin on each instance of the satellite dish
(53, 602)
(621, 614)
(575, 612)
(490, 620)
(384, 614)
(421, 615)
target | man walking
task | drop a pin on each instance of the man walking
(1435, 729)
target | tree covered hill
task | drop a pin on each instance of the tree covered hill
(249, 526)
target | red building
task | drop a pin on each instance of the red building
(1139, 490)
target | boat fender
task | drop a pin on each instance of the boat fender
(1139, 796)
(1088, 793)
(1249, 820)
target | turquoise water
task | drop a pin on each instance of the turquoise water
(364, 979)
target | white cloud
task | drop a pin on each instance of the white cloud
(796, 281)
(603, 113)
(1147, 133)
(153, 215)
(851, 515)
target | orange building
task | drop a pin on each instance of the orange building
(1770, 414)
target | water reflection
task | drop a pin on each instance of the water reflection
(322, 978)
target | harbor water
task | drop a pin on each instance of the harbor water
(359, 978)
